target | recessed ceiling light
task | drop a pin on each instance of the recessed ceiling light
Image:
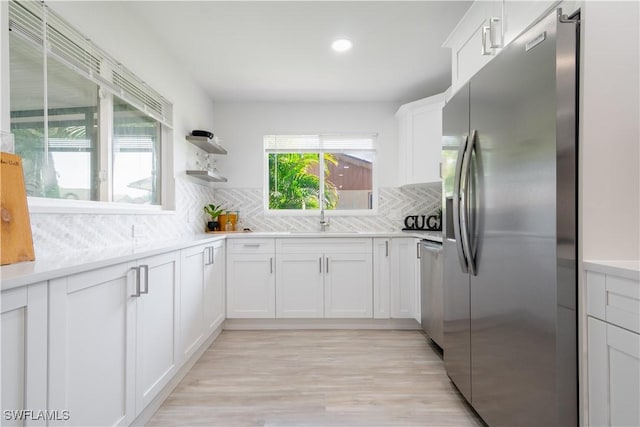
(341, 45)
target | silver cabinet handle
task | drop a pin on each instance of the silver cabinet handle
(492, 43)
(211, 253)
(327, 264)
(485, 30)
(271, 265)
(252, 245)
(320, 264)
(418, 255)
(386, 248)
(145, 267)
(137, 273)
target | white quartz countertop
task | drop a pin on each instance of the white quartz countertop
(629, 269)
(21, 274)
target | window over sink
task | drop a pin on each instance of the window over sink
(305, 173)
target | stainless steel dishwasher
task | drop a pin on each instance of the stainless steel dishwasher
(431, 291)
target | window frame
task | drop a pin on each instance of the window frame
(316, 212)
(112, 79)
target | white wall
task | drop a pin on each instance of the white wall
(242, 125)
(610, 131)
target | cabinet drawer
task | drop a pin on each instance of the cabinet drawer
(251, 246)
(614, 299)
(325, 245)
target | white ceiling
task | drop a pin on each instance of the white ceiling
(280, 51)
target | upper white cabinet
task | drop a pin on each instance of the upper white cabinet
(92, 329)
(475, 40)
(519, 15)
(485, 29)
(420, 140)
(613, 349)
(251, 280)
(24, 350)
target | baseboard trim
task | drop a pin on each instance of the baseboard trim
(148, 412)
(264, 324)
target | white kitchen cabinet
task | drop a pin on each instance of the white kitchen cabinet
(214, 287)
(519, 15)
(92, 329)
(475, 40)
(348, 285)
(251, 279)
(191, 297)
(24, 351)
(300, 285)
(420, 140)
(381, 277)
(405, 278)
(324, 277)
(613, 348)
(157, 354)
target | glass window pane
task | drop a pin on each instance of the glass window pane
(348, 180)
(27, 118)
(136, 155)
(294, 182)
(71, 165)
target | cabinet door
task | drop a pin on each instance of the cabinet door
(405, 279)
(300, 286)
(157, 354)
(24, 351)
(348, 286)
(91, 346)
(426, 139)
(251, 289)
(192, 263)
(214, 288)
(614, 375)
(381, 278)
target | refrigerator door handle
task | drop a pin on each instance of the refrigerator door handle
(464, 203)
(456, 205)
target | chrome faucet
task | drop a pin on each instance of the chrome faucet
(324, 223)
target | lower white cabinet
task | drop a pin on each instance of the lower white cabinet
(300, 285)
(251, 291)
(348, 285)
(381, 277)
(613, 345)
(614, 375)
(191, 297)
(324, 277)
(405, 278)
(24, 351)
(92, 332)
(156, 309)
(214, 287)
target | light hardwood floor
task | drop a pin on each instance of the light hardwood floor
(317, 378)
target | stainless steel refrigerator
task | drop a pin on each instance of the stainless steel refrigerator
(510, 203)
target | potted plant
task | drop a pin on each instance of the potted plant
(214, 212)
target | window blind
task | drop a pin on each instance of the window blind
(335, 143)
(66, 44)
